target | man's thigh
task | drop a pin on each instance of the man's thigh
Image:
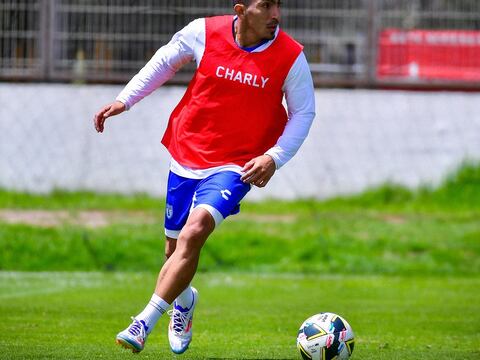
(220, 194)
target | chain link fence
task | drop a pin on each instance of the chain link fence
(360, 139)
(347, 42)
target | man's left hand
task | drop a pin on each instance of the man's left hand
(259, 171)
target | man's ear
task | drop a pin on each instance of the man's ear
(239, 10)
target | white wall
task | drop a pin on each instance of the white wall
(359, 139)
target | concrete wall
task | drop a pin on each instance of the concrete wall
(359, 139)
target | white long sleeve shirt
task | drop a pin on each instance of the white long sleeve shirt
(189, 45)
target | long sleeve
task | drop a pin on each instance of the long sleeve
(300, 97)
(185, 46)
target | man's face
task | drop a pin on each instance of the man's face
(262, 17)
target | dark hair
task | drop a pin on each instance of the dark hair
(243, 2)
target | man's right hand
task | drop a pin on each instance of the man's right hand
(112, 109)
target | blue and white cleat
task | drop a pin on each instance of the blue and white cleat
(133, 337)
(180, 327)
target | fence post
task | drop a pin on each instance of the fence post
(47, 26)
(372, 42)
(44, 35)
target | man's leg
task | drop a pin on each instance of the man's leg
(180, 192)
(218, 196)
(185, 299)
(178, 271)
(182, 257)
(170, 246)
(175, 275)
(213, 199)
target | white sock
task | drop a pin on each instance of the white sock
(185, 299)
(152, 312)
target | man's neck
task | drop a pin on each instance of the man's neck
(244, 37)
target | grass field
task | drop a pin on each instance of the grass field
(384, 231)
(402, 266)
(240, 316)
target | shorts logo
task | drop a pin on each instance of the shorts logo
(169, 211)
(225, 194)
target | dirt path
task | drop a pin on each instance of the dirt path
(90, 218)
(102, 218)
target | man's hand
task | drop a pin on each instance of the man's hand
(112, 109)
(259, 171)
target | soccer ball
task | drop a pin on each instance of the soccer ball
(325, 336)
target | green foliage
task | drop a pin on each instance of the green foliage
(240, 316)
(459, 191)
(462, 189)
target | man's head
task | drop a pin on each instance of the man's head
(258, 17)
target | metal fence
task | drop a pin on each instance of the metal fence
(109, 41)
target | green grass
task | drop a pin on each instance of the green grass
(402, 266)
(74, 201)
(389, 230)
(240, 316)
(332, 241)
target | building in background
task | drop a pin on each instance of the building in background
(360, 139)
(355, 43)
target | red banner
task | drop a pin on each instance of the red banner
(429, 54)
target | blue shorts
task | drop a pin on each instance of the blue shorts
(220, 194)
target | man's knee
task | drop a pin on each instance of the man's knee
(199, 226)
(200, 223)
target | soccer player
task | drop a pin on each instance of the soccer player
(230, 131)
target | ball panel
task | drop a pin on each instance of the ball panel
(350, 344)
(336, 324)
(313, 331)
(331, 346)
(303, 352)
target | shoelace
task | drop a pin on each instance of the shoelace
(137, 328)
(180, 320)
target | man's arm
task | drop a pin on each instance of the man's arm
(161, 68)
(300, 97)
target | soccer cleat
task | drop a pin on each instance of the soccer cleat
(133, 337)
(180, 327)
